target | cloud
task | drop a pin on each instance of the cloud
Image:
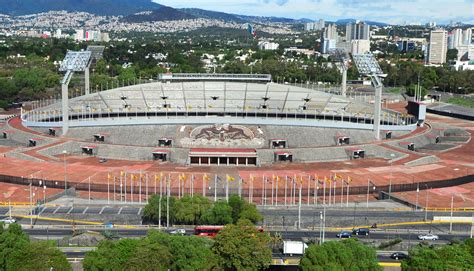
(399, 11)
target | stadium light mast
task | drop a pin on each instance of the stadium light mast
(73, 62)
(368, 66)
(341, 56)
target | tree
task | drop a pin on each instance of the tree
(339, 255)
(149, 256)
(38, 256)
(220, 214)
(452, 54)
(243, 210)
(110, 255)
(189, 210)
(17, 253)
(242, 247)
(188, 252)
(456, 256)
(152, 210)
(413, 89)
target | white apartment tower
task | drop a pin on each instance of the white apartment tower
(438, 46)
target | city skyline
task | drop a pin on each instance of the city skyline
(403, 11)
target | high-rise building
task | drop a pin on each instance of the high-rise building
(313, 26)
(467, 36)
(357, 31)
(329, 38)
(438, 46)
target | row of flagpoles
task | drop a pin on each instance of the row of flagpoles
(137, 187)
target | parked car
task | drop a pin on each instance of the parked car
(8, 220)
(344, 234)
(361, 231)
(399, 256)
(429, 236)
(178, 232)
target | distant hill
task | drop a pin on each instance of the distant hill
(99, 7)
(346, 21)
(208, 14)
(164, 13)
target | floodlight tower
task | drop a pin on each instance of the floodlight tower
(341, 56)
(73, 62)
(368, 66)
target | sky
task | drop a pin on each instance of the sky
(388, 11)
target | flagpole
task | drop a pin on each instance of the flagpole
(240, 187)
(146, 187)
(334, 193)
(108, 186)
(309, 190)
(263, 190)
(215, 187)
(347, 198)
(140, 189)
(131, 187)
(204, 185)
(286, 184)
(168, 188)
(90, 189)
(272, 192)
(179, 186)
(192, 185)
(299, 207)
(125, 187)
(324, 191)
(330, 191)
(115, 192)
(342, 193)
(276, 191)
(227, 188)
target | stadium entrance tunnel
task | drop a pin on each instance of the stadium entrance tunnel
(161, 155)
(223, 157)
(165, 142)
(283, 157)
(356, 153)
(89, 150)
(277, 143)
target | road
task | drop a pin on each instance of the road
(286, 235)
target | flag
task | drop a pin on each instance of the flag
(252, 178)
(205, 177)
(156, 178)
(337, 176)
(327, 180)
(109, 176)
(349, 179)
(230, 178)
(122, 173)
(251, 31)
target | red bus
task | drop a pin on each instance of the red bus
(211, 231)
(208, 231)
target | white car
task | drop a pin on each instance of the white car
(8, 220)
(432, 237)
(179, 232)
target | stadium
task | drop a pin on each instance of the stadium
(243, 119)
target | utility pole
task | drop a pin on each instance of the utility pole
(426, 205)
(299, 208)
(168, 204)
(159, 213)
(417, 194)
(451, 216)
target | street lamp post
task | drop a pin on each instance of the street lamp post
(65, 170)
(417, 194)
(426, 203)
(368, 191)
(391, 176)
(451, 216)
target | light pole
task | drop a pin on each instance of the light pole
(451, 216)
(426, 203)
(320, 227)
(368, 191)
(417, 194)
(392, 155)
(65, 170)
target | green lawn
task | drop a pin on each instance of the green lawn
(462, 101)
(393, 90)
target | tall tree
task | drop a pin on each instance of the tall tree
(334, 255)
(242, 247)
